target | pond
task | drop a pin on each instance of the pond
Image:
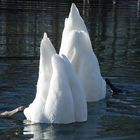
(115, 34)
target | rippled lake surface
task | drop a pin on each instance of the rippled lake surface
(115, 35)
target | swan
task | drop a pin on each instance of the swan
(77, 47)
(60, 97)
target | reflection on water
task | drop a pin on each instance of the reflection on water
(115, 34)
(73, 131)
(100, 124)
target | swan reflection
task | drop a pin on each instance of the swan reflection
(82, 131)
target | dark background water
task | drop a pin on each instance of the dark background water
(115, 35)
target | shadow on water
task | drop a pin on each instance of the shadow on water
(115, 34)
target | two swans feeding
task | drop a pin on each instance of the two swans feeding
(68, 80)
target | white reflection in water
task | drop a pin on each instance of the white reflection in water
(48, 131)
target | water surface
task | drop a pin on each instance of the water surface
(115, 35)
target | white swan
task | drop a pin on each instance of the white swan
(76, 46)
(60, 97)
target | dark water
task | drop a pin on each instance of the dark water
(115, 35)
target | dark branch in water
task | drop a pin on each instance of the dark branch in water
(114, 89)
(12, 112)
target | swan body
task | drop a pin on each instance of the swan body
(60, 97)
(76, 46)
